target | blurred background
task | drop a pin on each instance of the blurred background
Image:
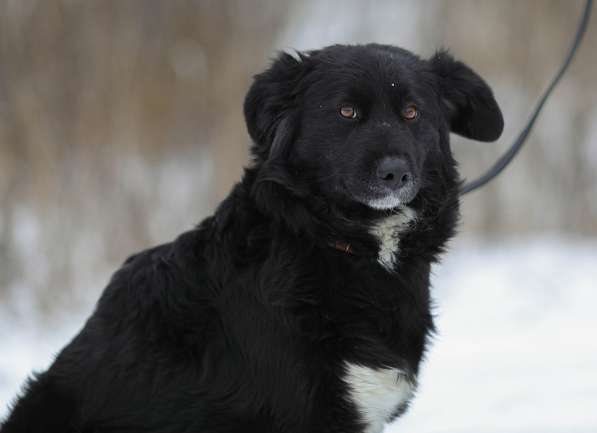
(121, 126)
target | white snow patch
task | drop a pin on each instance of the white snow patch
(516, 348)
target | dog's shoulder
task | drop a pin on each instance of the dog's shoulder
(157, 293)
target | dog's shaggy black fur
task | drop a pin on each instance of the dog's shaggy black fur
(251, 321)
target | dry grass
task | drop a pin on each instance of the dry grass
(121, 122)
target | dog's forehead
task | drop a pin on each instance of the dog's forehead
(371, 65)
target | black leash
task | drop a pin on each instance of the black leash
(509, 155)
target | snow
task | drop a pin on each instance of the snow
(30, 345)
(515, 349)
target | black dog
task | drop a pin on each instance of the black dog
(302, 305)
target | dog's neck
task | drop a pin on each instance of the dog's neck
(410, 233)
(388, 231)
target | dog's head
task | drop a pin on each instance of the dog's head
(367, 126)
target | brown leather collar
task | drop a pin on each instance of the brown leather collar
(345, 247)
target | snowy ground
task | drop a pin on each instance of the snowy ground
(516, 350)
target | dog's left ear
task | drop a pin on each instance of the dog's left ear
(270, 105)
(467, 100)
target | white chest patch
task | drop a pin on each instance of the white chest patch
(387, 231)
(377, 393)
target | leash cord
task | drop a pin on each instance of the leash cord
(509, 155)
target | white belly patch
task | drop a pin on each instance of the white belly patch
(377, 393)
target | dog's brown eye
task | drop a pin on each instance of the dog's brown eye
(348, 111)
(410, 112)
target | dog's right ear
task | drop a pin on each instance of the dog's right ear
(270, 105)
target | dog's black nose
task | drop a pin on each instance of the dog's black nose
(394, 172)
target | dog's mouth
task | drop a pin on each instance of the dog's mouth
(383, 198)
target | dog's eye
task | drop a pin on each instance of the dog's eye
(410, 112)
(348, 111)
